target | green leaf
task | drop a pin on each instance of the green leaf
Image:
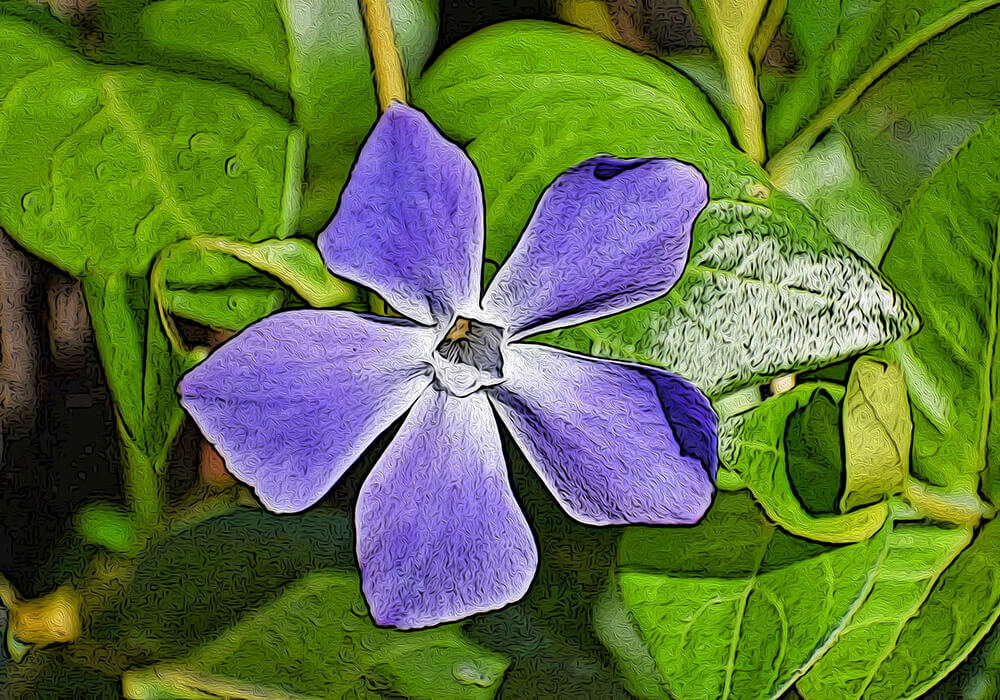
(826, 179)
(230, 284)
(919, 113)
(108, 527)
(222, 605)
(331, 85)
(944, 257)
(836, 42)
(733, 607)
(962, 607)
(507, 93)
(231, 308)
(877, 433)
(757, 455)
(141, 370)
(123, 161)
(917, 555)
(305, 59)
(321, 622)
(247, 36)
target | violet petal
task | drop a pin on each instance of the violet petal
(607, 235)
(440, 535)
(293, 401)
(410, 220)
(615, 443)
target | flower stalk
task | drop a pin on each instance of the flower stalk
(390, 83)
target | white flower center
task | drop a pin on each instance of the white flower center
(469, 357)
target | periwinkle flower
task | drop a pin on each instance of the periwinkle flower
(293, 401)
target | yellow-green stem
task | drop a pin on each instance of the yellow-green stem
(767, 30)
(742, 84)
(952, 507)
(390, 83)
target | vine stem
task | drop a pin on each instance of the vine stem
(767, 30)
(733, 34)
(390, 83)
(939, 504)
(805, 139)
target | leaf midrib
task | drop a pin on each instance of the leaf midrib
(987, 375)
(147, 150)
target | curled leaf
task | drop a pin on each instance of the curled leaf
(877, 432)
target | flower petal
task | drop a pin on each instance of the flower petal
(293, 401)
(615, 443)
(440, 535)
(410, 220)
(607, 235)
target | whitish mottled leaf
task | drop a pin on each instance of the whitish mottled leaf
(756, 300)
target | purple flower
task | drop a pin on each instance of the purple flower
(295, 399)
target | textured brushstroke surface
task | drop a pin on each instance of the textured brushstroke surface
(440, 535)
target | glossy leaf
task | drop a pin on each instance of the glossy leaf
(225, 604)
(917, 555)
(944, 257)
(507, 93)
(321, 622)
(733, 607)
(838, 41)
(877, 433)
(141, 370)
(915, 117)
(123, 161)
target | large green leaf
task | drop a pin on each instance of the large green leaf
(836, 42)
(944, 256)
(734, 607)
(918, 114)
(321, 622)
(530, 99)
(918, 553)
(103, 166)
(308, 60)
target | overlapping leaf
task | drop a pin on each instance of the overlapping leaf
(767, 290)
(734, 607)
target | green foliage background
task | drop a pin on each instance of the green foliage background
(178, 157)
